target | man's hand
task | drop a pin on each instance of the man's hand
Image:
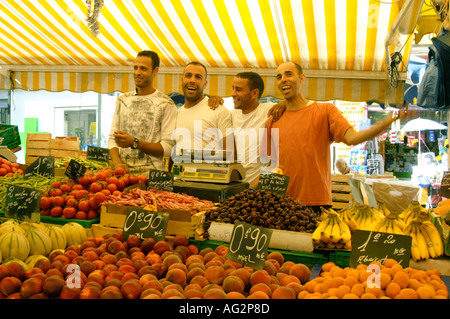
(123, 139)
(399, 114)
(214, 101)
(277, 110)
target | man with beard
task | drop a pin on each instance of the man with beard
(198, 126)
(305, 131)
(143, 121)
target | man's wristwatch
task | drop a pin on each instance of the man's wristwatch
(135, 144)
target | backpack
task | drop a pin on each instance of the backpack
(434, 90)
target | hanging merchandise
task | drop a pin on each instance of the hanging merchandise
(431, 137)
(434, 90)
(412, 140)
(394, 137)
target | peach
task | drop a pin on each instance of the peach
(145, 294)
(180, 240)
(15, 269)
(300, 271)
(177, 276)
(87, 266)
(70, 293)
(260, 276)
(116, 246)
(10, 285)
(147, 245)
(30, 287)
(111, 294)
(90, 292)
(131, 289)
(3, 271)
(214, 293)
(233, 283)
(133, 241)
(284, 292)
(53, 285)
(161, 246)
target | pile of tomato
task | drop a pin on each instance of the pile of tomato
(82, 199)
(8, 169)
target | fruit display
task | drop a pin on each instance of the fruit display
(82, 199)
(159, 198)
(414, 221)
(266, 209)
(426, 240)
(332, 232)
(375, 281)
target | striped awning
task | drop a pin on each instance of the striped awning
(341, 44)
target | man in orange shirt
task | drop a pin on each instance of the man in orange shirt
(302, 137)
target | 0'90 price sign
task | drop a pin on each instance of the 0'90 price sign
(145, 224)
(248, 244)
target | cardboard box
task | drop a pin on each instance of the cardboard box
(341, 192)
(181, 222)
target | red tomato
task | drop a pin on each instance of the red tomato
(56, 211)
(57, 201)
(45, 202)
(84, 206)
(69, 212)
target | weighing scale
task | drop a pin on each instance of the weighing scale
(210, 167)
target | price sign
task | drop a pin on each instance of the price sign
(22, 202)
(44, 166)
(276, 183)
(145, 224)
(248, 244)
(369, 246)
(97, 153)
(75, 170)
(161, 180)
(445, 185)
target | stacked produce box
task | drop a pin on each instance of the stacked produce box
(42, 144)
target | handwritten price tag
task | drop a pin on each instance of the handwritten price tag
(248, 245)
(276, 183)
(161, 180)
(97, 153)
(368, 246)
(44, 166)
(145, 224)
(22, 202)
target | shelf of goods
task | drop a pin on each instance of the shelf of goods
(192, 260)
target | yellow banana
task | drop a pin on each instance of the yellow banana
(346, 234)
(335, 236)
(326, 233)
(415, 253)
(422, 244)
(398, 227)
(429, 243)
(348, 245)
(435, 237)
(318, 231)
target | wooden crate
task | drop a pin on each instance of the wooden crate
(340, 191)
(38, 140)
(180, 222)
(65, 143)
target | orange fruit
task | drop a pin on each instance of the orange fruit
(414, 284)
(342, 291)
(385, 279)
(401, 278)
(358, 289)
(350, 296)
(407, 293)
(390, 262)
(426, 292)
(350, 281)
(327, 266)
(392, 290)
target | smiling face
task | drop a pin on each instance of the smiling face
(143, 73)
(194, 82)
(289, 80)
(244, 98)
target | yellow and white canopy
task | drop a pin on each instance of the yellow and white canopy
(341, 44)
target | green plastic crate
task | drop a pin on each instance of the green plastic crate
(289, 255)
(61, 220)
(10, 136)
(340, 258)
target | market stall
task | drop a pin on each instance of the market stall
(74, 228)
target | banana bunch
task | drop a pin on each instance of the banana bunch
(412, 212)
(365, 216)
(391, 223)
(332, 232)
(346, 215)
(426, 240)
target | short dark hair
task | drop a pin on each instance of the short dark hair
(299, 68)
(199, 64)
(255, 81)
(152, 55)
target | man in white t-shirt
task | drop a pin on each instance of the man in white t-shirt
(249, 117)
(198, 126)
(143, 121)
